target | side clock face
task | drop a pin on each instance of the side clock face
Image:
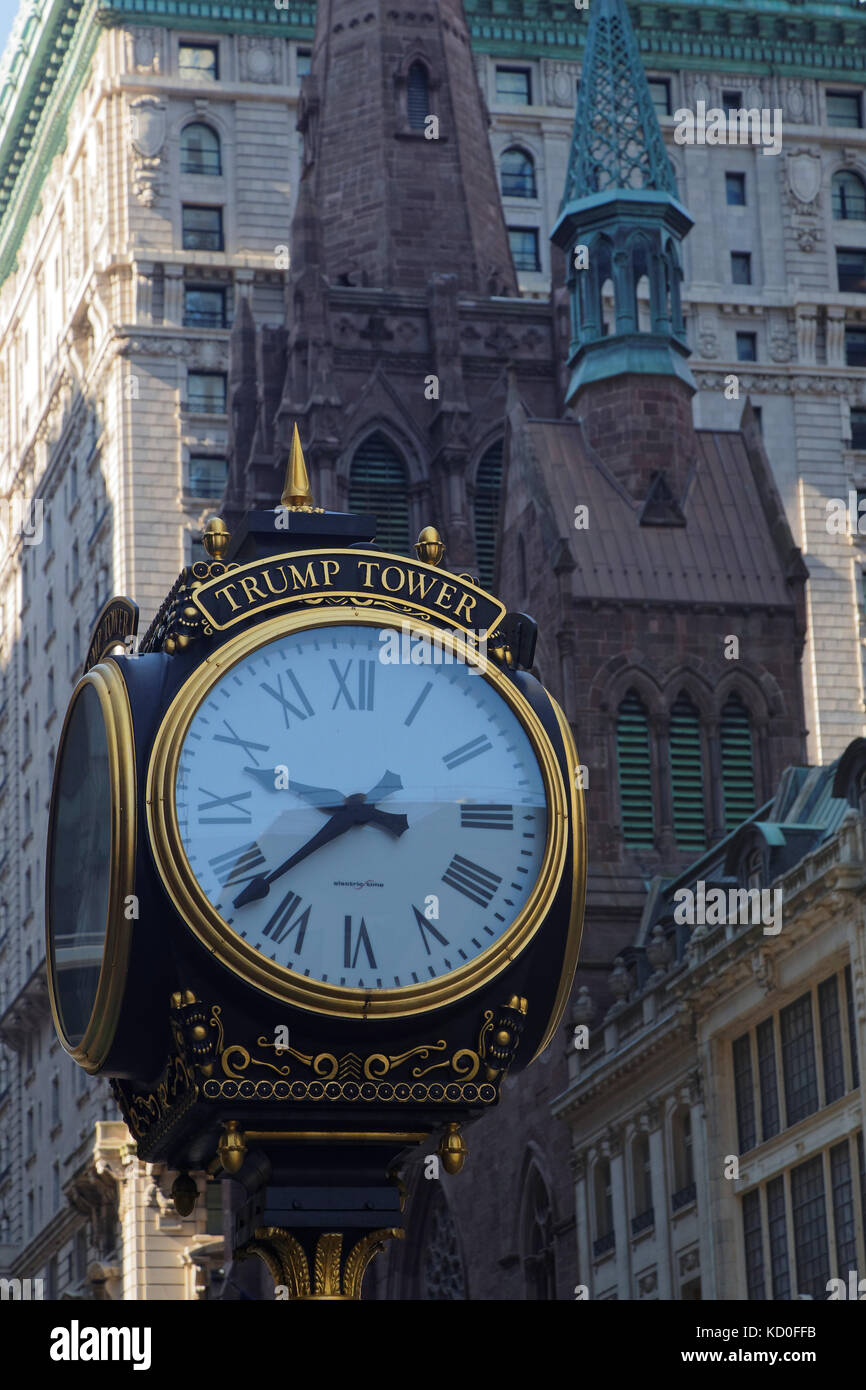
(90, 865)
(361, 825)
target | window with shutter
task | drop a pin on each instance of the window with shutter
(738, 769)
(687, 775)
(487, 486)
(635, 772)
(378, 485)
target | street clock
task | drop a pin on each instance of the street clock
(316, 865)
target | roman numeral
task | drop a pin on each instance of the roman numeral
(350, 960)
(247, 745)
(279, 925)
(471, 880)
(466, 751)
(242, 818)
(418, 703)
(486, 817)
(283, 700)
(366, 673)
(427, 926)
(237, 865)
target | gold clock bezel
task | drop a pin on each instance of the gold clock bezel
(92, 1052)
(244, 960)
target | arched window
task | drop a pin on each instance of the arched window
(539, 1255)
(488, 483)
(642, 1218)
(606, 294)
(378, 485)
(738, 770)
(687, 775)
(517, 174)
(200, 150)
(641, 286)
(635, 773)
(849, 197)
(417, 96)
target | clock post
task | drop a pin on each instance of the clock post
(336, 874)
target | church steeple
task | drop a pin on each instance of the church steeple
(397, 159)
(621, 222)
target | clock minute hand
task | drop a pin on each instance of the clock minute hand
(259, 887)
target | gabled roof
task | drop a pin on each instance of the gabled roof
(730, 549)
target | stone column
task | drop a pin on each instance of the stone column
(835, 336)
(693, 1096)
(581, 1219)
(651, 1121)
(614, 1148)
(806, 329)
(144, 292)
(173, 306)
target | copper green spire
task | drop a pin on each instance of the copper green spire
(617, 141)
(621, 222)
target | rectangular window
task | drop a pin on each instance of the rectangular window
(852, 1036)
(204, 307)
(744, 1093)
(777, 1224)
(514, 85)
(858, 429)
(851, 270)
(206, 392)
(831, 1040)
(855, 347)
(524, 248)
(844, 108)
(198, 62)
(202, 228)
(798, 1059)
(207, 476)
(843, 1209)
(303, 67)
(741, 267)
(810, 1227)
(747, 347)
(732, 100)
(754, 1245)
(735, 190)
(660, 91)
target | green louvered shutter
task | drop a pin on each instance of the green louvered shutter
(377, 484)
(635, 773)
(687, 775)
(738, 768)
(487, 487)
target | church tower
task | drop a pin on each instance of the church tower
(620, 226)
(402, 307)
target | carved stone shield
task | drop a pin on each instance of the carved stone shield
(804, 175)
(147, 126)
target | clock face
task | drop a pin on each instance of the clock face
(78, 872)
(366, 823)
(90, 862)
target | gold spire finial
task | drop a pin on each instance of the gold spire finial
(296, 493)
(430, 546)
(216, 537)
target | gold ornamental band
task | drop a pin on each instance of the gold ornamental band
(236, 954)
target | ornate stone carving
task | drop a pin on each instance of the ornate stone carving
(690, 1260)
(258, 59)
(647, 1283)
(442, 1278)
(559, 83)
(147, 126)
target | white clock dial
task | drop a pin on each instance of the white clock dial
(364, 824)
